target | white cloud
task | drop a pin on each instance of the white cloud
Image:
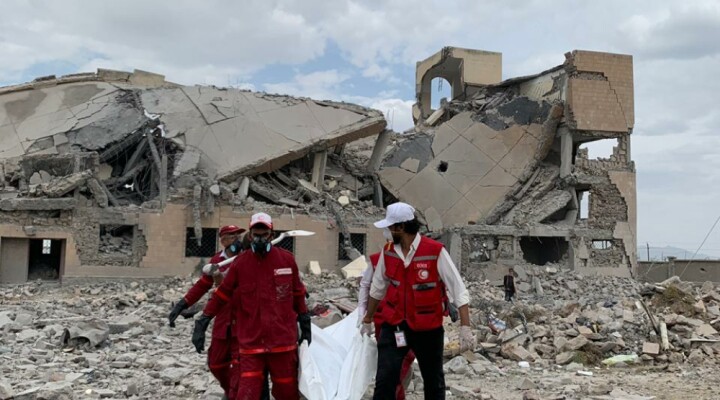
(675, 48)
(321, 85)
(398, 112)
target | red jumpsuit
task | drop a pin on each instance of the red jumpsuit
(222, 346)
(267, 300)
(378, 320)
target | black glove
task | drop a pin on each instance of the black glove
(305, 328)
(454, 314)
(179, 307)
(198, 336)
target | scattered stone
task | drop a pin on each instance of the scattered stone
(314, 268)
(650, 348)
(696, 357)
(576, 343)
(564, 358)
(526, 384)
(132, 390)
(6, 391)
(457, 365)
(174, 375)
(706, 330)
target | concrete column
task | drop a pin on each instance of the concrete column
(378, 194)
(378, 152)
(566, 150)
(625, 140)
(318, 174)
(163, 179)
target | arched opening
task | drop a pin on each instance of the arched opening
(440, 89)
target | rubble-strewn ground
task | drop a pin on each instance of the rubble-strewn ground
(111, 340)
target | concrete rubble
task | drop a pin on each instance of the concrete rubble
(116, 166)
(502, 164)
(92, 159)
(110, 340)
(106, 174)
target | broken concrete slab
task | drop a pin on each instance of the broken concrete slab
(37, 204)
(650, 348)
(314, 268)
(355, 268)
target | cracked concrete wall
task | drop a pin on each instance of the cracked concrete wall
(522, 135)
(602, 99)
(460, 67)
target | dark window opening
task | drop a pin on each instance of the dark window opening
(443, 167)
(543, 250)
(207, 246)
(116, 239)
(357, 240)
(45, 258)
(602, 244)
(287, 243)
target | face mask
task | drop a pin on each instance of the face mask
(235, 247)
(387, 235)
(260, 246)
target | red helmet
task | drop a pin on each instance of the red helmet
(230, 229)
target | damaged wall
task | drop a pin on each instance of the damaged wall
(119, 165)
(165, 234)
(501, 164)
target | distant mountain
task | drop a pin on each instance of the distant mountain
(661, 253)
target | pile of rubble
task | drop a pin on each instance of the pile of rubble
(111, 340)
(110, 244)
(574, 324)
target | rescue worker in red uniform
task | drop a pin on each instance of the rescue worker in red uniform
(411, 277)
(377, 321)
(222, 346)
(264, 287)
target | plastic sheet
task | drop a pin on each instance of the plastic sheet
(340, 363)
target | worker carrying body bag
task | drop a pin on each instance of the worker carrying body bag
(340, 364)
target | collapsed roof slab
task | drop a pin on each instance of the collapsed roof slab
(244, 133)
(226, 132)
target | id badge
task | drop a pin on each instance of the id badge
(400, 339)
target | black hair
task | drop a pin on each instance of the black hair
(411, 227)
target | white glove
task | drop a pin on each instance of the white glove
(367, 329)
(208, 269)
(467, 340)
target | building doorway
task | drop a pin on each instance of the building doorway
(45, 258)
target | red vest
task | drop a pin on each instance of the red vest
(379, 317)
(416, 294)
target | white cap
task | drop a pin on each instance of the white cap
(261, 218)
(395, 214)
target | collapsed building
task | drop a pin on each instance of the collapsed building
(125, 174)
(500, 168)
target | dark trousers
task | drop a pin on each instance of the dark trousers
(428, 349)
(509, 295)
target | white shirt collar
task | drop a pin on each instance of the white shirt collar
(413, 247)
(223, 254)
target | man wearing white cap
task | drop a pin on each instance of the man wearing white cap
(268, 300)
(412, 277)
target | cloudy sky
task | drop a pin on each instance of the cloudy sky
(364, 51)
